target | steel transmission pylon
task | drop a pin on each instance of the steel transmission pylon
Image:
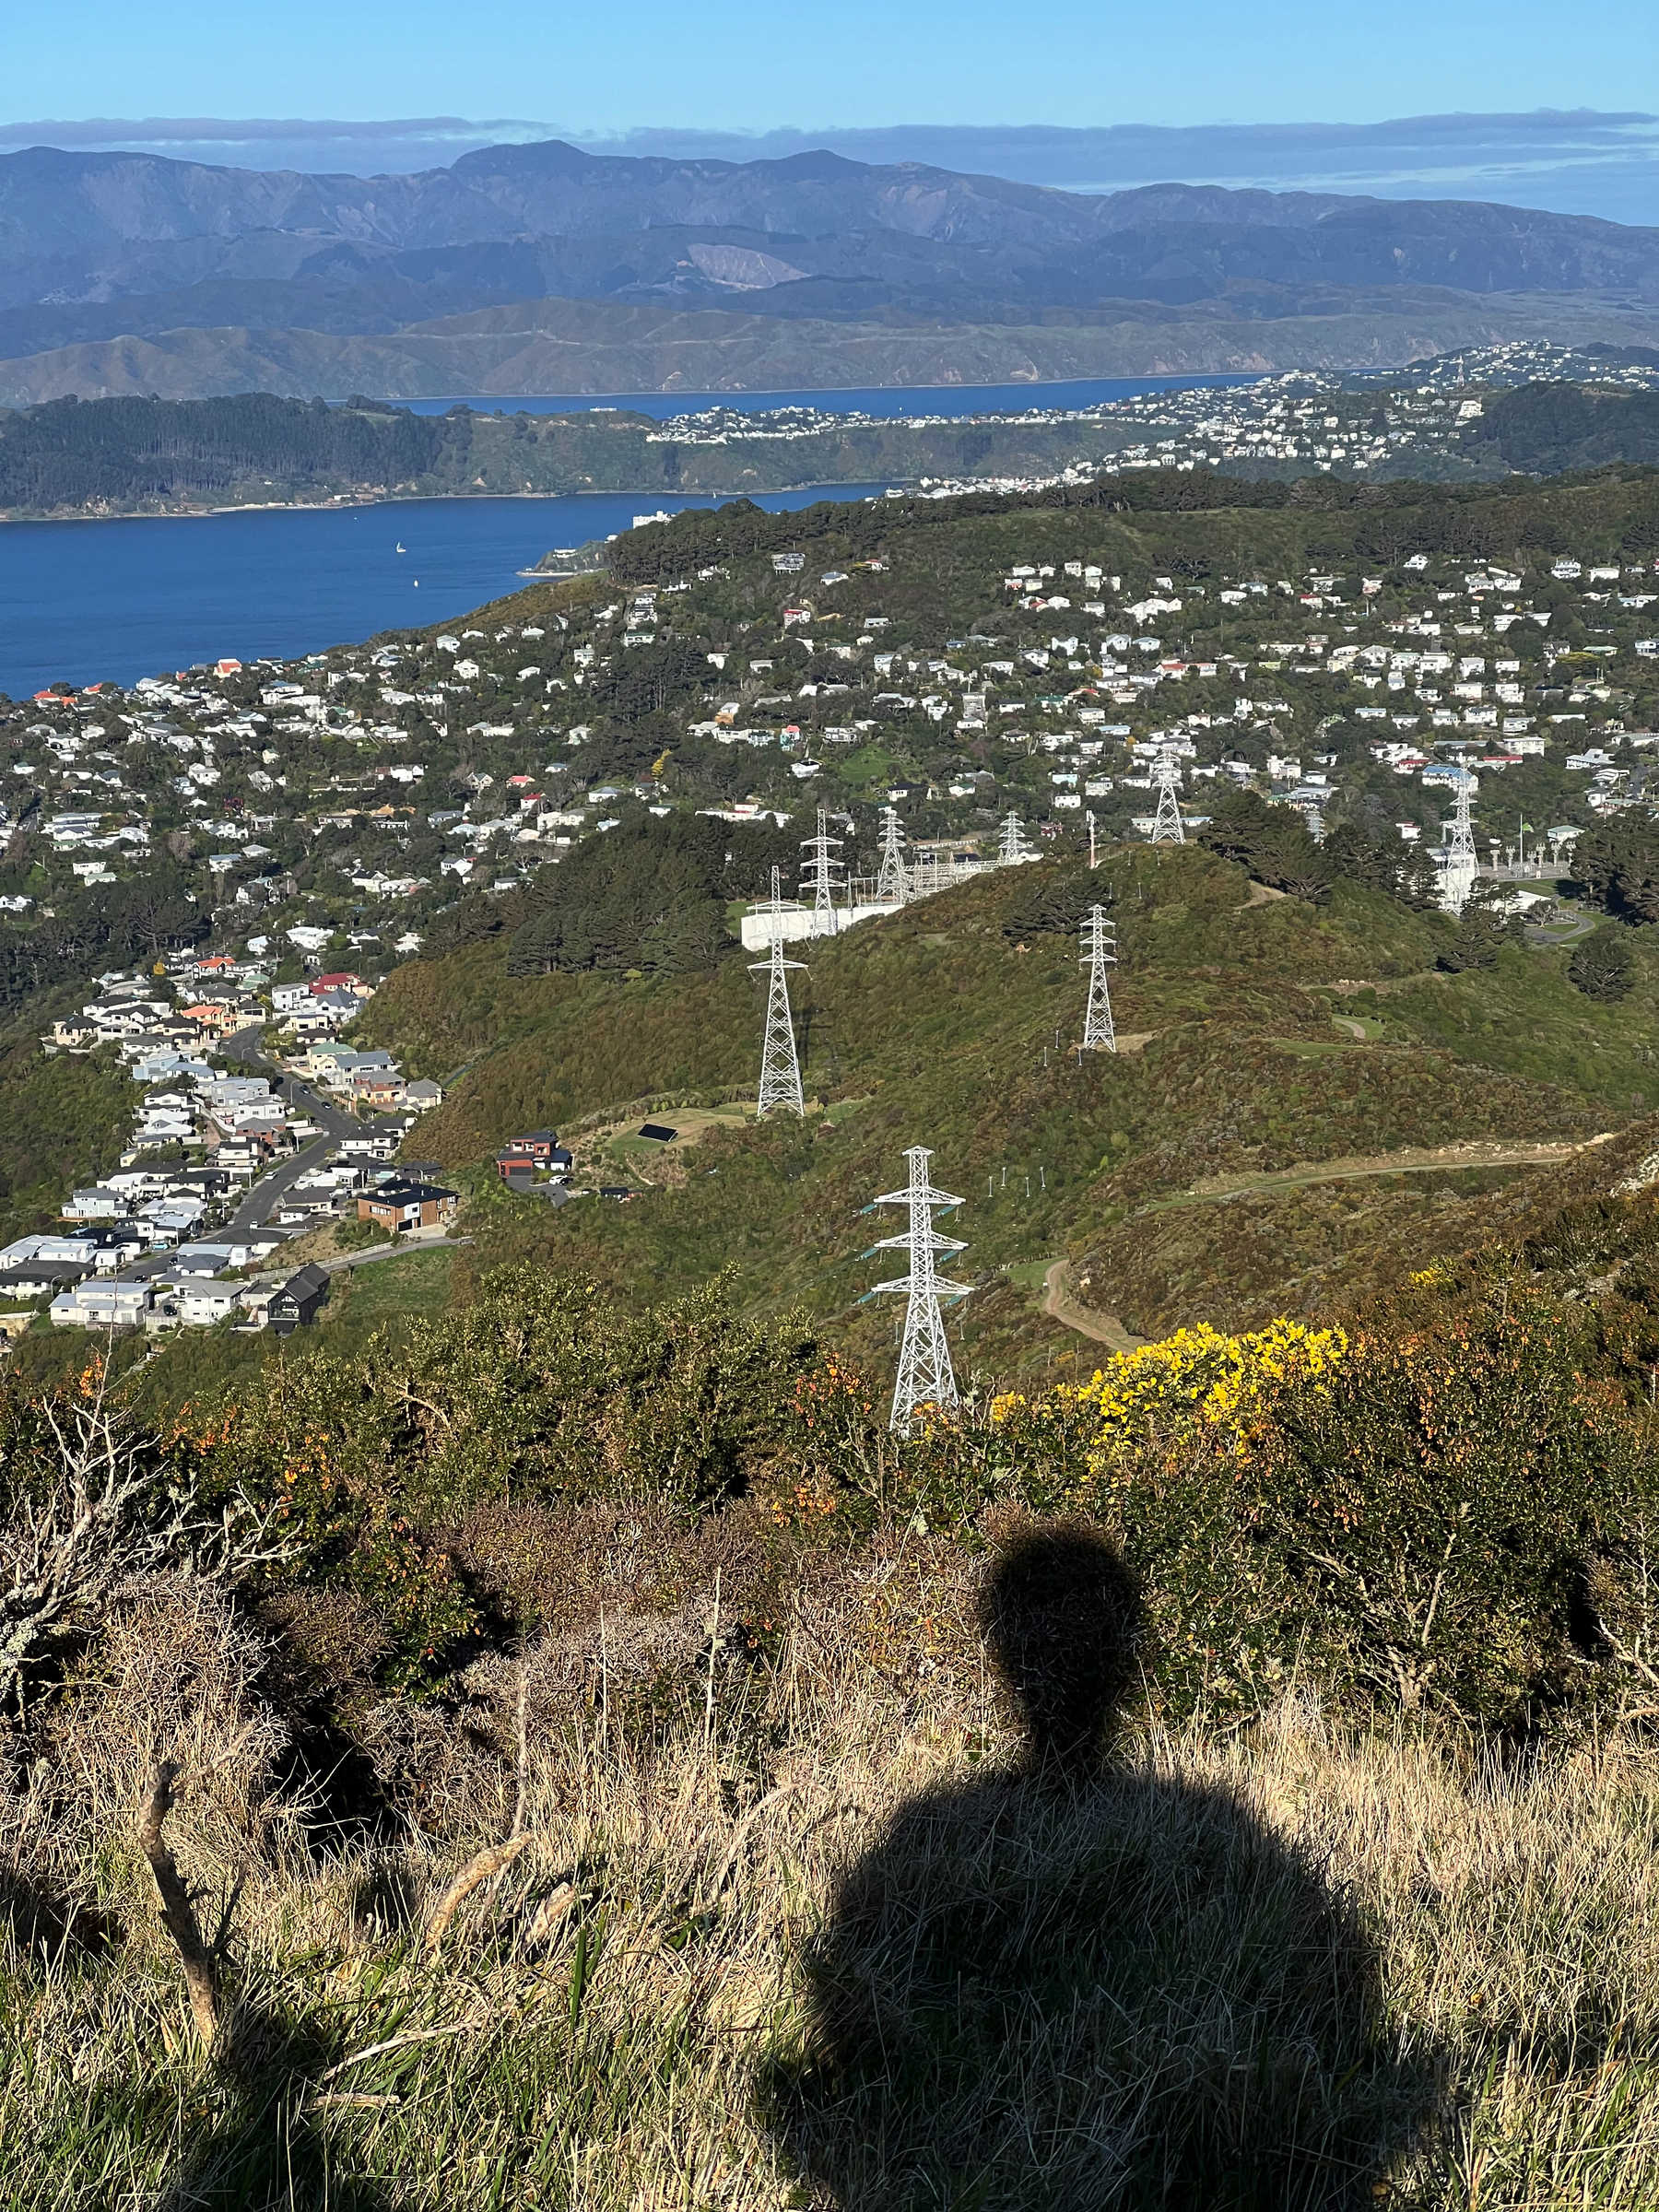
(926, 1376)
(1011, 843)
(891, 883)
(1167, 828)
(1458, 880)
(1099, 952)
(779, 1067)
(820, 876)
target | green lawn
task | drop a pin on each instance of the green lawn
(415, 1282)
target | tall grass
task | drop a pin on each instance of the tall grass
(813, 1940)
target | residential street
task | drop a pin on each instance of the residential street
(267, 1189)
(334, 1122)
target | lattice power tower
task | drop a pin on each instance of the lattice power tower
(1099, 952)
(925, 1377)
(1458, 879)
(1011, 844)
(1167, 828)
(892, 882)
(779, 1068)
(820, 876)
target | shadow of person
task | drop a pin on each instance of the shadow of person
(251, 2135)
(1085, 1983)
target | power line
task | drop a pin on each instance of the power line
(926, 1378)
(1011, 844)
(779, 1067)
(891, 882)
(1458, 879)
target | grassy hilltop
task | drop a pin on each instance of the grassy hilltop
(954, 1024)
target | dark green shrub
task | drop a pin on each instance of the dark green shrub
(1477, 942)
(1602, 965)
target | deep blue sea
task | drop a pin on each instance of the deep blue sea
(84, 602)
(112, 601)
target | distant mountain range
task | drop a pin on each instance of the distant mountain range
(530, 268)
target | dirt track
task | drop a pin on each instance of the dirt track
(1478, 1152)
(1414, 1159)
(1104, 1328)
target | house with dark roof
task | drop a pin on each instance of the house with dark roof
(534, 1145)
(521, 1156)
(401, 1207)
(296, 1304)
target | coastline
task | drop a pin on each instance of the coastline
(413, 499)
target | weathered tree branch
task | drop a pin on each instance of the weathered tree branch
(107, 1515)
(199, 1961)
(491, 1860)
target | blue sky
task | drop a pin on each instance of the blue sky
(588, 71)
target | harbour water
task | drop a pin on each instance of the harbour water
(81, 602)
(888, 403)
(112, 601)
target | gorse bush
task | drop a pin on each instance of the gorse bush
(1435, 1510)
(1197, 1378)
(1442, 1507)
(540, 1391)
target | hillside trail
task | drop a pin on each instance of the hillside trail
(1470, 1152)
(1103, 1328)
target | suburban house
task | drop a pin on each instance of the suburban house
(33, 1279)
(197, 1302)
(400, 1207)
(295, 1305)
(377, 1087)
(101, 1306)
(536, 1148)
(423, 1094)
(222, 1017)
(284, 1306)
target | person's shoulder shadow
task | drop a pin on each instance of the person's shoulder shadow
(1087, 1983)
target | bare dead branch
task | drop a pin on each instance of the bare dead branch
(111, 1514)
(199, 1961)
(1625, 1655)
(554, 1907)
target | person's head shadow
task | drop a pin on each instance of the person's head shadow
(1085, 1983)
(1061, 1614)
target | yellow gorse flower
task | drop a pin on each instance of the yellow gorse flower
(1197, 1377)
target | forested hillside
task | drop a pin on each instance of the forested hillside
(1548, 428)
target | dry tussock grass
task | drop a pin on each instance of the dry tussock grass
(1328, 1967)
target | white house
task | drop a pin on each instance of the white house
(101, 1306)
